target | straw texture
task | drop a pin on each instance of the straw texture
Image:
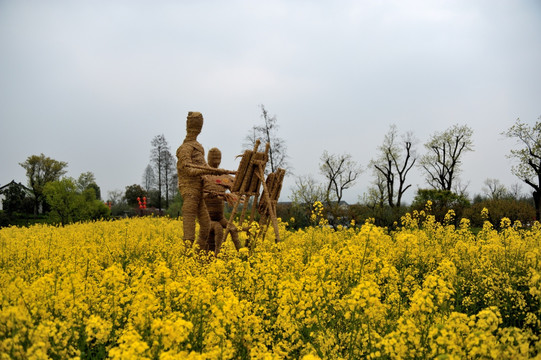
(190, 183)
(214, 189)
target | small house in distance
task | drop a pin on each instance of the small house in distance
(12, 188)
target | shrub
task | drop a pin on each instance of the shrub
(442, 202)
(521, 210)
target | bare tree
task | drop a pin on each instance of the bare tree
(376, 195)
(161, 159)
(149, 178)
(169, 172)
(116, 197)
(494, 189)
(172, 181)
(307, 191)
(528, 168)
(267, 133)
(443, 160)
(341, 172)
(396, 158)
(461, 188)
(515, 191)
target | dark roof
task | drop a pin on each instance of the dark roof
(12, 182)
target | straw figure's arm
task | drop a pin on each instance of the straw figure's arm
(207, 170)
(217, 187)
(212, 194)
(188, 167)
(230, 198)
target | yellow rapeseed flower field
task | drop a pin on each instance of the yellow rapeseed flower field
(131, 289)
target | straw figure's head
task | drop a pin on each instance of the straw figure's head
(194, 123)
(214, 157)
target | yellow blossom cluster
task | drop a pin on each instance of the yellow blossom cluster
(317, 218)
(131, 289)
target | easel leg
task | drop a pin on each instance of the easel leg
(272, 211)
(231, 218)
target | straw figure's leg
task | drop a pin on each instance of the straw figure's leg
(204, 225)
(218, 230)
(212, 236)
(189, 214)
(234, 233)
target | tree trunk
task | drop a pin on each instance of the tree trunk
(536, 200)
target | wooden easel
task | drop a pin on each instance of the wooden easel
(250, 176)
(267, 209)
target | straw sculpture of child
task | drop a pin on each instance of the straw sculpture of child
(214, 194)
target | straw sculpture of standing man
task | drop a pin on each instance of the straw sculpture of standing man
(191, 165)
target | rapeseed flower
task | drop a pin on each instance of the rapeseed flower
(132, 289)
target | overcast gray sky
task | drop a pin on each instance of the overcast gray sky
(92, 82)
